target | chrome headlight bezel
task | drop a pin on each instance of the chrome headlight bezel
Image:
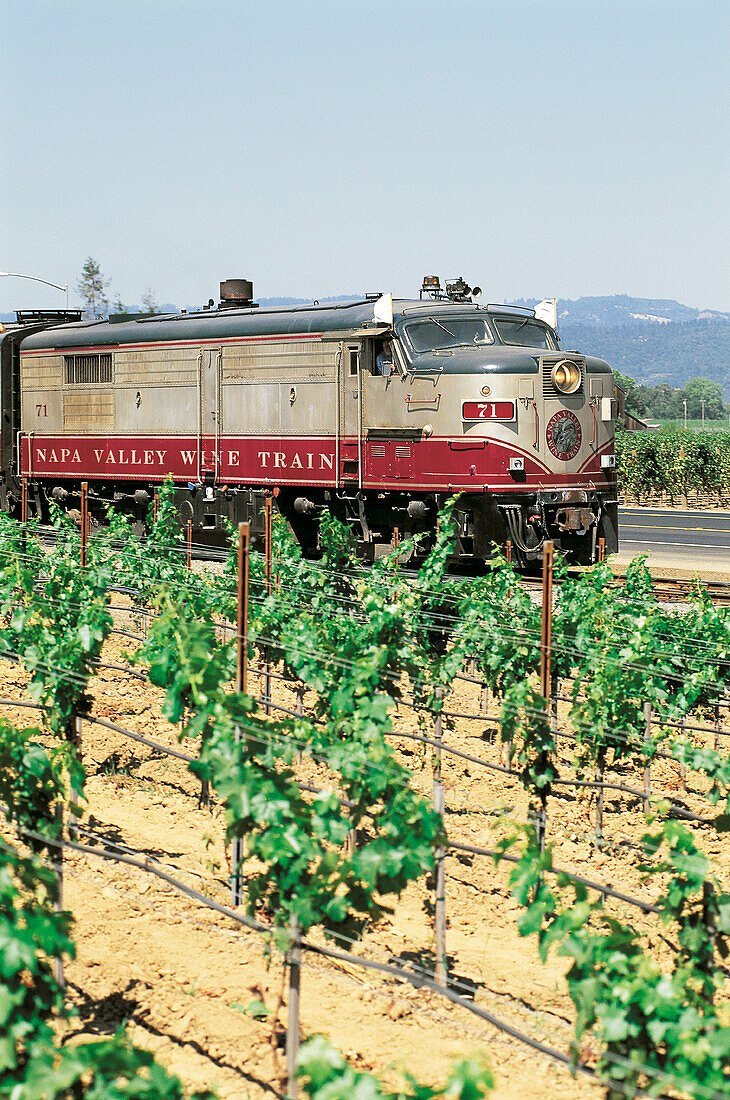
(566, 377)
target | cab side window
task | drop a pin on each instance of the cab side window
(383, 363)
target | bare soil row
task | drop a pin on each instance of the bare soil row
(186, 981)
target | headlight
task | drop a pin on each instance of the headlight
(566, 376)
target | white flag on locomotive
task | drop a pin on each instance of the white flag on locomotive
(383, 309)
(547, 311)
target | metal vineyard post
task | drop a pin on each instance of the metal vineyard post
(241, 677)
(268, 532)
(647, 766)
(546, 643)
(84, 520)
(440, 973)
(292, 1029)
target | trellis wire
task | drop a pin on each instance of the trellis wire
(452, 845)
(417, 980)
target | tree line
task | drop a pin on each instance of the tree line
(664, 402)
(92, 288)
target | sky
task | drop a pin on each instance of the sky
(319, 147)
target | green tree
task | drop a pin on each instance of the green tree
(637, 401)
(699, 390)
(624, 382)
(664, 402)
(149, 305)
(91, 286)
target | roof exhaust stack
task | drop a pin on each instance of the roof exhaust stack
(237, 294)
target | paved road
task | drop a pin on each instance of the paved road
(695, 539)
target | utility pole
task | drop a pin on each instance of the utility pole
(685, 413)
(703, 414)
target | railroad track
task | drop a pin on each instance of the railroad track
(669, 589)
(672, 589)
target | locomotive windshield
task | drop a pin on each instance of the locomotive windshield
(448, 332)
(525, 332)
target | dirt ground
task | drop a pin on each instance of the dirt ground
(663, 502)
(668, 566)
(183, 978)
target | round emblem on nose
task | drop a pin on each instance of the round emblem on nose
(563, 435)
(486, 390)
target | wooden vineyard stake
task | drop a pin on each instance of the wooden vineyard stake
(241, 682)
(294, 959)
(546, 644)
(710, 922)
(155, 507)
(554, 699)
(599, 800)
(300, 712)
(268, 540)
(683, 766)
(601, 549)
(23, 513)
(647, 766)
(508, 551)
(77, 729)
(268, 524)
(717, 727)
(84, 520)
(440, 972)
(204, 800)
(396, 544)
(58, 904)
(190, 543)
(546, 640)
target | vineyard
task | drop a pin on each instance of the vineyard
(674, 465)
(463, 837)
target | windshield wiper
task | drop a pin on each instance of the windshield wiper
(451, 334)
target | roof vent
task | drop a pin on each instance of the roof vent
(236, 293)
(48, 316)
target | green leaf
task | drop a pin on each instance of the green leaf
(255, 1008)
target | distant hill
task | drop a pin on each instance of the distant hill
(618, 310)
(652, 353)
(651, 339)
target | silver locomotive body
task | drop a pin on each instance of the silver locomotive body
(377, 419)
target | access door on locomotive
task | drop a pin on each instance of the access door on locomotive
(208, 441)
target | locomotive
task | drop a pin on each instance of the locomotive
(375, 410)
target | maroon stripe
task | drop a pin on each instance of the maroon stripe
(436, 464)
